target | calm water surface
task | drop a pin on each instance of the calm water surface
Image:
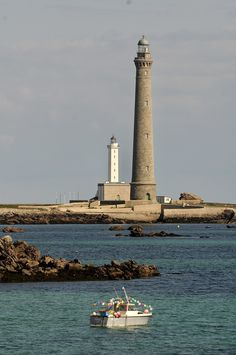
(193, 300)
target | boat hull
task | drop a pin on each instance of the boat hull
(122, 322)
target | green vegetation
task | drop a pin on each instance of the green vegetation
(9, 206)
(25, 205)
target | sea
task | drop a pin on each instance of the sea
(194, 303)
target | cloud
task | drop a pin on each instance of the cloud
(5, 103)
(25, 93)
(6, 141)
(15, 100)
(26, 46)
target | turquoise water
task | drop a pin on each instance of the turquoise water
(193, 300)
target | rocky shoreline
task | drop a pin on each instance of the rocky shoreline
(13, 218)
(57, 218)
(144, 214)
(22, 262)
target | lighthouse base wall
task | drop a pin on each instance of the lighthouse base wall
(113, 191)
(142, 191)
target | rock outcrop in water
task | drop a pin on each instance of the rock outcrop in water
(117, 227)
(22, 262)
(12, 229)
(137, 230)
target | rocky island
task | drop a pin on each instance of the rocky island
(22, 262)
(185, 210)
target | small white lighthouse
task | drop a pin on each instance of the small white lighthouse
(113, 160)
(113, 189)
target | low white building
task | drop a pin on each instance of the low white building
(164, 199)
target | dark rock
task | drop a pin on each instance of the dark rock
(74, 266)
(26, 272)
(21, 262)
(164, 234)
(11, 268)
(115, 263)
(56, 217)
(11, 229)
(136, 230)
(24, 250)
(117, 228)
(32, 264)
(47, 262)
(190, 196)
(61, 263)
(6, 240)
(228, 215)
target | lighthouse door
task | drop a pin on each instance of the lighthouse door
(147, 196)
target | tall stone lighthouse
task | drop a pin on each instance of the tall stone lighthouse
(143, 185)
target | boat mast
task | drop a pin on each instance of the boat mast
(126, 296)
(116, 292)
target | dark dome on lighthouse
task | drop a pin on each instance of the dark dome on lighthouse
(143, 41)
(113, 139)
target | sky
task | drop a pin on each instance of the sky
(68, 82)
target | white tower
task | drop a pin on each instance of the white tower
(113, 160)
(113, 189)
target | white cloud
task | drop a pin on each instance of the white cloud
(5, 104)
(26, 46)
(25, 93)
(6, 141)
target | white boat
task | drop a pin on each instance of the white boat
(121, 312)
